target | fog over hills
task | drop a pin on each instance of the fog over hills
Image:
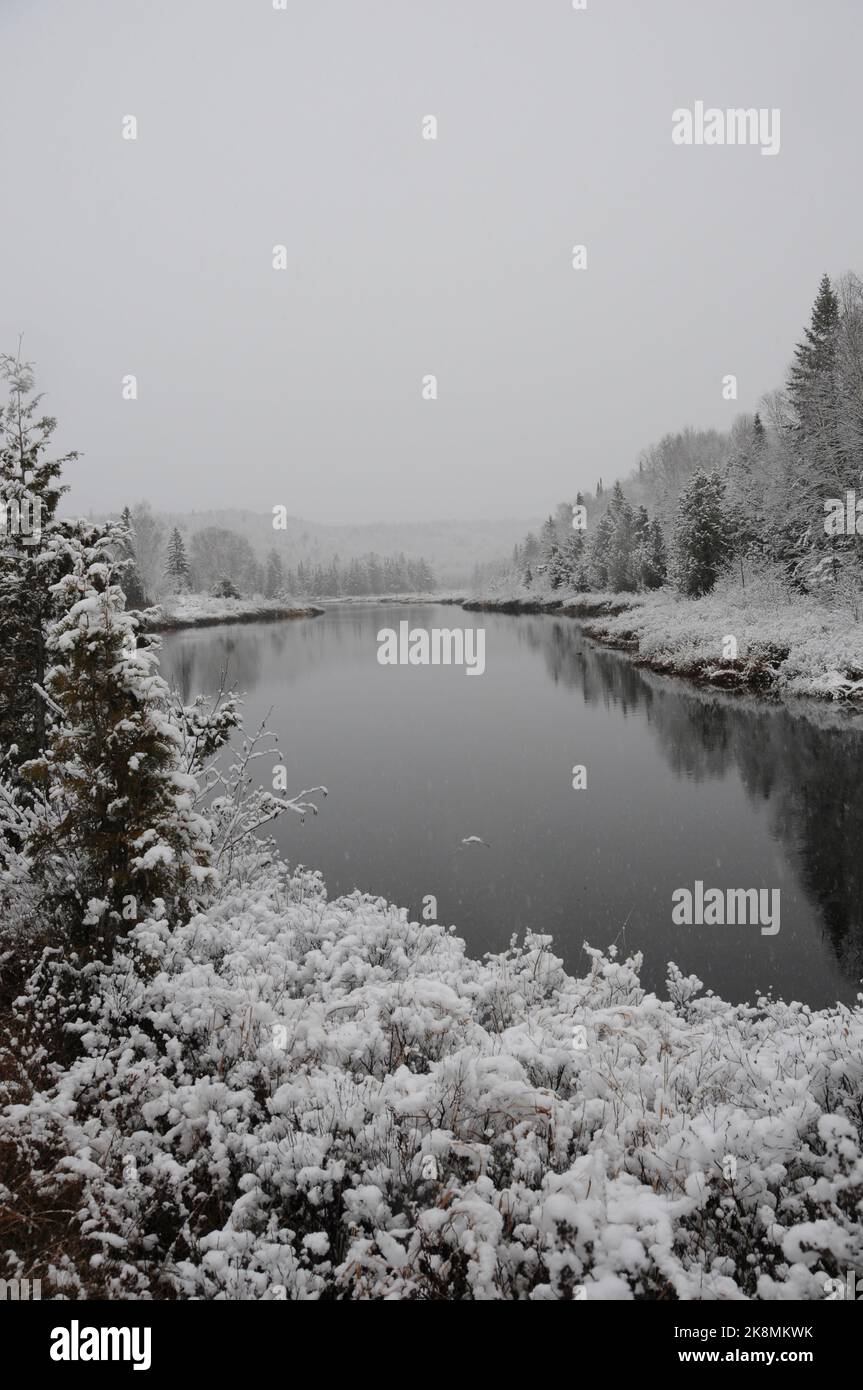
(452, 548)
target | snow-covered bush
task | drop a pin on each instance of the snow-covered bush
(292, 1097)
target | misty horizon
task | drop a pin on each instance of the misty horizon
(407, 256)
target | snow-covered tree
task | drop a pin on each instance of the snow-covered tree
(176, 564)
(274, 579)
(701, 539)
(130, 579)
(120, 829)
(149, 540)
(29, 562)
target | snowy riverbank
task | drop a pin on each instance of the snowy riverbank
(292, 1097)
(794, 646)
(200, 610)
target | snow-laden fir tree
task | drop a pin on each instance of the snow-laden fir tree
(701, 535)
(29, 562)
(176, 563)
(130, 578)
(120, 829)
(274, 575)
(811, 380)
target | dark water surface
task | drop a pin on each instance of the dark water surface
(681, 785)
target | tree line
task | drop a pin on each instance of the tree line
(218, 561)
(752, 498)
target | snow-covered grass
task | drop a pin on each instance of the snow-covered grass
(442, 596)
(202, 610)
(292, 1097)
(786, 642)
(793, 644)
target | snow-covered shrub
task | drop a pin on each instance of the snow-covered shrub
(293, 1097)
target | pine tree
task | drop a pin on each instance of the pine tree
(274, 577)
(120, 831)
(31, 558)
(548, 548)
(816, 466)
(177, 566)
(655, 570)
(597, 558)
(130, 579)
(701, 534)
(814, 359)
(620, 545)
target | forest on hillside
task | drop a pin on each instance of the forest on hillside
(216, 560)
(775, 493)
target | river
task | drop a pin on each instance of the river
(682, 785)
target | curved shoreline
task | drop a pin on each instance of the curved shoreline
(760, 674)
(169, 622)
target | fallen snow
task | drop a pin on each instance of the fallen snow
(798, 645)
(191, 610)
(280, 1067)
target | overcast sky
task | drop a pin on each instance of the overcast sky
(408, 257)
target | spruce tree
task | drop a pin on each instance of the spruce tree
(120, 829)
(130, 578)
(656, 569)
(817, 467)
(274, 579)
(177, 565)
(597, 560)
(619, 549)
(810, 376)
(701, 535)
(31, 558)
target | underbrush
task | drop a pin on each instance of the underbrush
(293, 1097)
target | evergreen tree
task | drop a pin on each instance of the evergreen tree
(597, 558)
(31, 558)
(129, 578)
(177, 566)
(120, 830)
(148, 535)
(810, 381)
(274, 578)
(619, 550)
(701, 543)
(655, 567)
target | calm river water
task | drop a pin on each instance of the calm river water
(682, 785)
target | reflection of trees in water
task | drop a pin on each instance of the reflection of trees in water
(195, 660)
(809, 766)
(200, 662)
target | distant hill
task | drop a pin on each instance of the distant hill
(452, 548)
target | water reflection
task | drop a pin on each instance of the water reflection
(419, 759)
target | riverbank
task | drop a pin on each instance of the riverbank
(199, 610)
(355, 600)
(755, 639)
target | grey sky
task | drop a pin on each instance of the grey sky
(405, 256)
